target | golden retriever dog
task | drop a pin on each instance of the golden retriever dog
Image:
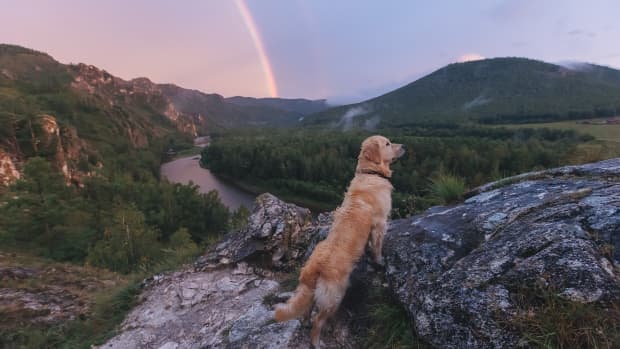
(359, 221)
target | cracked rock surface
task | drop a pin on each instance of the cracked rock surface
(455, 268)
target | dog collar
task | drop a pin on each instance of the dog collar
(373, 172)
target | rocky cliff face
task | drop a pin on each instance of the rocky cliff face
(140, 91)
(454, 269)
(8, 169)
(47, 138)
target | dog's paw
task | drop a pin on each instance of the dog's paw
(378, 263)
(379, 260)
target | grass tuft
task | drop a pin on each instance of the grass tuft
(547, 320)
(389, 325)
(447, 188)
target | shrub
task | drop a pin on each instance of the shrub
(127, 244)
(448, 188)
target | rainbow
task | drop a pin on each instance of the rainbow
(270, 79)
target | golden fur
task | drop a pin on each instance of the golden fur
(360, 220)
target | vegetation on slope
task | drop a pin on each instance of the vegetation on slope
(499, 90)
(120, 216)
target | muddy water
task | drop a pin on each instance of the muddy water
(188, 169)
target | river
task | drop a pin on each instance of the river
(188, 169)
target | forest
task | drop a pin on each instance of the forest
(124, 218)
(313, 166)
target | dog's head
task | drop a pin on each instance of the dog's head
(377, 154)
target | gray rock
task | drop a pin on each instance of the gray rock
(276, 236)
(226, 300)
(455, 268)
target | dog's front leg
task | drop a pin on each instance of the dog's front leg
(376, 240)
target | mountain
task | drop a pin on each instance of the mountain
(212, 111)
(298, 105)
(498, 90)
(76, 114)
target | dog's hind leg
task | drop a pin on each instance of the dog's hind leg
(317, 324)
(306, 318)
(328, 297)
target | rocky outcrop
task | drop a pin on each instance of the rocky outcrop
(8, 170)
(277, 236)
(119, 93)
(43, 294)
(63, 145)
(226, 300)
(457, 269)
(59, 144)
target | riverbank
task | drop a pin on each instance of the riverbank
(187, 169)
(257, 189)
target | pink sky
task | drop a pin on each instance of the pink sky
(203, 45)
(345, 50)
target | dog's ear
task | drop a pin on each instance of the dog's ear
(371, 152)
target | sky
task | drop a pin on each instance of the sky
(344, 51)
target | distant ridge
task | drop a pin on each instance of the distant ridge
(497, 90)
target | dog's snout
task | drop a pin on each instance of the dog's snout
(402, 146)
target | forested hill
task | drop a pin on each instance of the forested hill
(498, 90)
(296, 105)
(73, 115)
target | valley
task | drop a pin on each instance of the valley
(103, 186)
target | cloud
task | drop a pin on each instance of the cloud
(575, 65)
(579, 32)
(468, 57)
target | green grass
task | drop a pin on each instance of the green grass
(448, 188)
(389, 324)
(546, 320)
(607, 133)
(605, 146)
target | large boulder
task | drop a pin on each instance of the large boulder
(457, 269)
(277, 236)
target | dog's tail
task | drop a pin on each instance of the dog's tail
(301, 300)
